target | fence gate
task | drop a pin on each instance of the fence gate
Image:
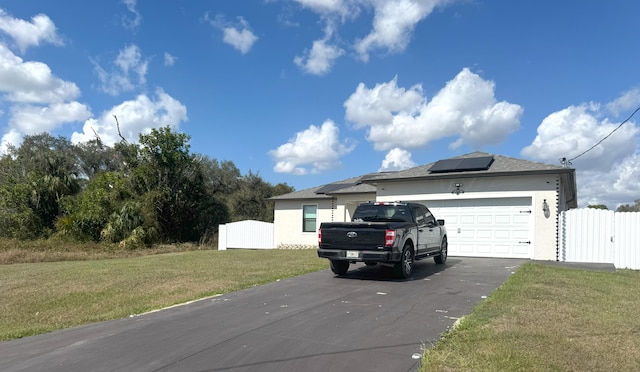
(596, 235)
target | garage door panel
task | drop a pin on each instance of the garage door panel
(498, 227)
(503, 219)
(467, 220)
(522, 219)
(485, 220)
(521, 234)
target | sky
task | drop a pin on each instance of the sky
(308, 92)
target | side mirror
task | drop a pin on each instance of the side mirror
(441, 222)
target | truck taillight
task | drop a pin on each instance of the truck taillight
(319, 236)
(389, 238)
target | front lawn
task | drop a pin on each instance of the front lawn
(46, 296)
(548, 319)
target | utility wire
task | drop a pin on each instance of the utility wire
(607, 136)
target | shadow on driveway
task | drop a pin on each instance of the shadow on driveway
(422, 269)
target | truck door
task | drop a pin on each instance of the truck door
(423, 230)
(432, 231)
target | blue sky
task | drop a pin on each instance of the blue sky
(309, 92)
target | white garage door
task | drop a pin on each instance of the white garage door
(500, 227)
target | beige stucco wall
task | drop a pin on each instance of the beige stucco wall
(537, 187)
(287, 222)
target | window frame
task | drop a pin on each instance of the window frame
(306, 221)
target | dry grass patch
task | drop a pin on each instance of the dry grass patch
(41, 297)
(55, 250)
(547, 318)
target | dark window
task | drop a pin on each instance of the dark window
(429, 219)
(309, 217)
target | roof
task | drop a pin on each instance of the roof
(501, 166)
(354, 185)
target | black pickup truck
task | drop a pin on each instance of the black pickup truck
(388, 233)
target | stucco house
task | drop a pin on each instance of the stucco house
(493, 205)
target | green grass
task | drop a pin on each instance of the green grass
(42, 297)
(548, 319)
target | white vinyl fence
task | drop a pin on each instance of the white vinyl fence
(245, 234)
(595, 235)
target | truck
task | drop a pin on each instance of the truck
(389, 233)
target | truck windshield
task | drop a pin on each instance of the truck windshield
(382, 212)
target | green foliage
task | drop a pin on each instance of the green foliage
(17, 219)
(597, 206)
(250, 201)
(630, 208)
(90, 210)
(126, 227)
(131, 194)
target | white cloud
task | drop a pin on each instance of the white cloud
(130, 71)
(237, 35)
(320, 59)
(26, 34)
(38, 100)
(627, 101)
(133, 20)
(618, 185)
(169, 60)
(135, 117)
(31, 82)
(573, 130)
(313, 150)
(393, 24)
(609, 173)
(31, 119)
(12, 138)
(397, 159)
(328, 7)
(465, 108)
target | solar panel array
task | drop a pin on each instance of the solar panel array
(462, 164)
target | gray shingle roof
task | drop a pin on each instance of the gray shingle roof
(501, 166)
(349, 186)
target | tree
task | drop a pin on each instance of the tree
(17, 219)
(251, 200)
(46, 166)
(88, 212)
(597, 206)
(630, 208)
(94, 157)
(172, 187)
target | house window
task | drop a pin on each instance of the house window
(309, 216)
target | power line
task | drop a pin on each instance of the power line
(564, 161)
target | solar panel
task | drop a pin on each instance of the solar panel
(446, 165)
(462, 165)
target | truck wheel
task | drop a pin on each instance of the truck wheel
(404, 268)
(339, 267)
(444, 251)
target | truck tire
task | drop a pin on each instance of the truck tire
(404, 268)
(444, 252)
(339, 267)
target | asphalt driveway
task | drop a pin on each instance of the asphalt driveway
(366, 321)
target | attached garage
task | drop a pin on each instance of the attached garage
(493, 205)
(493, 227)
